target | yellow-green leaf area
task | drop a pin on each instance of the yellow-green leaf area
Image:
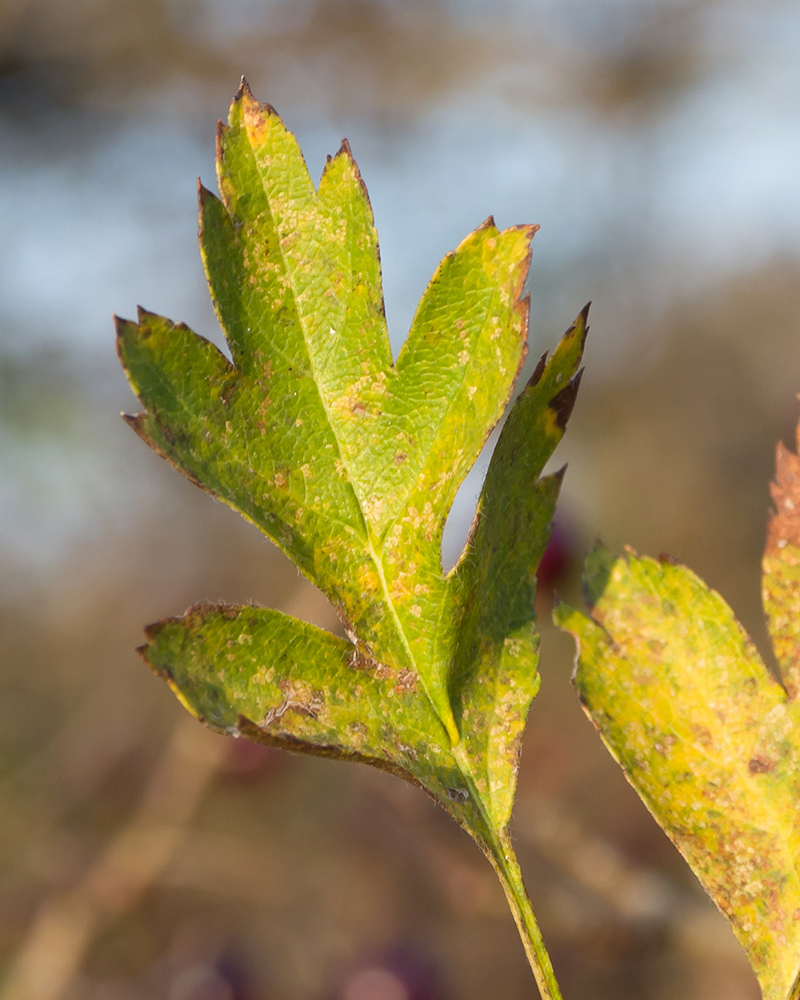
(708, 738)
(350, 461)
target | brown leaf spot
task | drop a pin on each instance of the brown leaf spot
(228, 391)
(406, 681)
(760, 765)
(309, 706)
(665, 745)
(537, 371)
(563, 402)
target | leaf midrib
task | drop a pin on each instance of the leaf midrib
(374, 554)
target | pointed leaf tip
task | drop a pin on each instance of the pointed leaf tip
(204, 195)
(536, 374)
(120, 325)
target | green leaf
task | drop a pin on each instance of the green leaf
(705, 734)
(350, 464)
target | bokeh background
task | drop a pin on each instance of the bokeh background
(657, 142)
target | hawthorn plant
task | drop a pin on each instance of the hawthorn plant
(350, 461)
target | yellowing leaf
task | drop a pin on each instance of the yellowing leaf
(704, 733)
(350, 463)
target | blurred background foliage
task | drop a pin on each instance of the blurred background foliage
(657, 143)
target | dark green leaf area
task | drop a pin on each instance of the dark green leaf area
(212, 422)
(495, 670)
(255, 672)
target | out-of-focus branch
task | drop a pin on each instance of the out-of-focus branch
(65, 927)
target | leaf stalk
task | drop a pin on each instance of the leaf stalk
(504, 861)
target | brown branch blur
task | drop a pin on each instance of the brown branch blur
(66, 925)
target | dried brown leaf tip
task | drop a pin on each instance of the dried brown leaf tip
(781, 581)
(784, 524)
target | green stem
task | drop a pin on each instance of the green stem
(504, 862)
(498, 848)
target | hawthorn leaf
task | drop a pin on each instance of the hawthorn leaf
(350, 464)
(703, 731)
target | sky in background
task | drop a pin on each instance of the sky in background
(657, 144)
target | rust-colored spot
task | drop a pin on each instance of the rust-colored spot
(760, 765)
(400, 457)
(228, 392)
(665, 744)
(406, 681)
(784, 525)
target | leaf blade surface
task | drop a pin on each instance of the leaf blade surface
(350, 464)
(707, 737)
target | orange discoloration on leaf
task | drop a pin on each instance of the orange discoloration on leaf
(781, 580)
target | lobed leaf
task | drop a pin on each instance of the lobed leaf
(350, 464)
(340, 457)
